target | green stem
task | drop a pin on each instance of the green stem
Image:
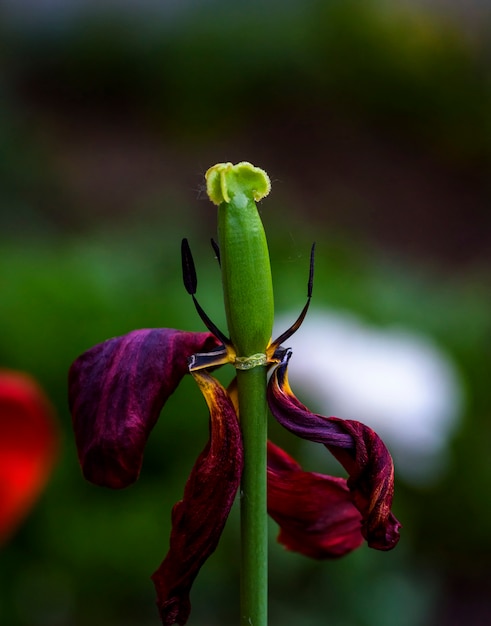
(249, 306)
(254, 540)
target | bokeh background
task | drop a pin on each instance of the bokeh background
(373, 120)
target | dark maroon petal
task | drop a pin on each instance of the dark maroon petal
(371, 481)
(198, 519)
(357, 447)
(315, 512)
(116, 392)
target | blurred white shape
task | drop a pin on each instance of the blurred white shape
(396, 381)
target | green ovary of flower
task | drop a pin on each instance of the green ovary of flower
(246, 271)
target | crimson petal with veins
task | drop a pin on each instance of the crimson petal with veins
(116, 392)
(356, 446)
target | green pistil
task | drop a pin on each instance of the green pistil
(249, 306)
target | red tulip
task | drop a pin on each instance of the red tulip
(28, 445)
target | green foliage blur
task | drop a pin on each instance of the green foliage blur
(108, 123)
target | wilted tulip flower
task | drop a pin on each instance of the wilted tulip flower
(118, 388)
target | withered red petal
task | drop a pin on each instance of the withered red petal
(357, 447)
(316, 514)
(116, 392)
(198, 519)
(371, 481)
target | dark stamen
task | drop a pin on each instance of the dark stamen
(188, 268)
(311, 273)
(209, 324)
(191, 283)
(216, 249)
(296, 325)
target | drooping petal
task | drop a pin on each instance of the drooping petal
(315, 512)
(28, 445)
(198, 519)
(116, 392)
(356, 446)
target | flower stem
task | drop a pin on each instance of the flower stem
(254, 547)
(249, 307)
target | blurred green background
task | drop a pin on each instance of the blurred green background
(374, 123)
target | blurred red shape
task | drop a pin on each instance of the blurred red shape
(28, 447)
